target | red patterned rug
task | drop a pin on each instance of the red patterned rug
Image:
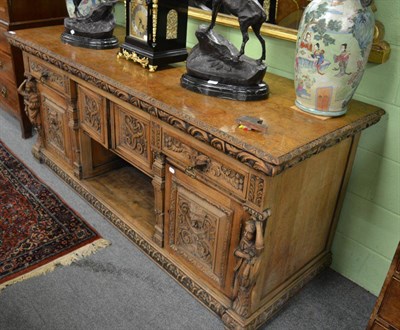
(38, 231)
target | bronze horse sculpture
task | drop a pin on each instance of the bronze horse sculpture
(249, 13)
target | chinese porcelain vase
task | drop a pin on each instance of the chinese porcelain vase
(333, 44)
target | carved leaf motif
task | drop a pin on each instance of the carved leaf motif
(234, 178)
(177, 146)
(256, 190)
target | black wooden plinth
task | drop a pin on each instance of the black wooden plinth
(225, 91)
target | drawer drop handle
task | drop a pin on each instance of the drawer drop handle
(4, 92)
(201, 163)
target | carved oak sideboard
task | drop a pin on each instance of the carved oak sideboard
(241, 219)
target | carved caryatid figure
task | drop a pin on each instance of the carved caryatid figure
(247, 266)
(28, 91)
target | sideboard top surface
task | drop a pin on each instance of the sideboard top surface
(291, 135)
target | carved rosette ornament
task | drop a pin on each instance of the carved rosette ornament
(248, 264)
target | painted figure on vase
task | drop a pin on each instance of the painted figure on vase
(306, 42)
(342, 59)
(319, 57)
(304, 86)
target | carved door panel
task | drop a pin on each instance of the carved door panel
(55, 125)
(201, 228)
(131, 137)
(92, 114)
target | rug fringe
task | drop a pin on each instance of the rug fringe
(66, 260)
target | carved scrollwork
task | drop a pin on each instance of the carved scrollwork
(198, 291)
(196, 230)
(193, 231)
(91, 113)
(134, 135)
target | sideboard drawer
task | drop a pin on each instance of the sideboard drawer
(4, 11)
(131, 136)
(4, 45)
(92, 114)
(203, 164)
(6, 67)
(47, 74)
(8, 94)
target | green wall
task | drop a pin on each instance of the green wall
(369, 225)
